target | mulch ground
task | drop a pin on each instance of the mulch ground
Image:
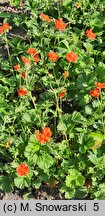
(44, 193)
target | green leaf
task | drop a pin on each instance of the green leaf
(66, 2)
(26, 117)
(64, 150)
(14, 164)
(88, 110)
(62, 127)
(100, 71)
(21, 182)
(28, 195)
(6, 184)
(64, 124)
(32, 159)
(99, 162)
(74, 179)
(33, 146)
(86, 143)
(81, 192)
(98, 138)
(37, 184)
(15, 2)
(95, 103)
(88, 46)
(69, 192)
(86, 3)
(77, 117)
(66, 165)
(66, 43)
(102, 186)
(1, 164)
(99, 193)
(31, 150)
(45, 161)
(4, 15)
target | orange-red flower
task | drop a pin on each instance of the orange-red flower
(24, 75)
(40, 138)
(95, 92)
(60, 25)
(34, 54)
(53, 56)
(99, 85)
(71, 57)
(22, 91)
(89, 33)
(31, 51)
(47, 132)
(22, 169)
(8, 144)
(45, 17)
(25, 60)
(62, 94)
(16, 67)
(66, 74)
(44, 136)
(36, 58)
(6, 26)
(78, 5)
(1, 30)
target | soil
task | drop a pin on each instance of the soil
(6, 7)
(44, 193)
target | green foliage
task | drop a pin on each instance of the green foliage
(69, 192)
(44, 162)
(74, 179)
(98, 138)
(15, 2)
(22, 182)
(6, 184)
(99, 193)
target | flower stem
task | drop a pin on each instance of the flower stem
(7, 47)
(32, 99)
